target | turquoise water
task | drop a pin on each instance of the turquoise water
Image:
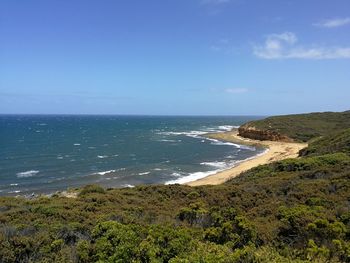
(43, 154)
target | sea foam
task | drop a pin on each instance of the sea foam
(27, 173)
(106, 172)
(215, 164)
(144, 173)
(191, 177)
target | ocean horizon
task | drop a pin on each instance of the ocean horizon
(49, 153)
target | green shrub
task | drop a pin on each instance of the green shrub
(92, 188)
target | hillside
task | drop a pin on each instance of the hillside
(299, 127)
(337, 142)
(295, 210)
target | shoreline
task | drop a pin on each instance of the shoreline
(275, 151)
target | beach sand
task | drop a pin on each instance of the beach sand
(275, 151)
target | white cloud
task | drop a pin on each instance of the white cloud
(236, 90)
(283, 46)
(335, 22)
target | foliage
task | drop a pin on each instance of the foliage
(337, 142)
(295, 210)
(304, 127)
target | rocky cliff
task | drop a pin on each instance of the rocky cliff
(251, 132)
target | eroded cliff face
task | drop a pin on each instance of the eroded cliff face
(251, 132)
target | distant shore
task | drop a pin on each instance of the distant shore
(275, 151)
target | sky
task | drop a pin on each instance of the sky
(174, 57)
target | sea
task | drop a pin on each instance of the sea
(42, 154)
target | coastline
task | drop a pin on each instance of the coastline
(275, 151)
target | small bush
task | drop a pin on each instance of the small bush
(92, 188)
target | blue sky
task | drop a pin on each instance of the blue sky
(191, 57)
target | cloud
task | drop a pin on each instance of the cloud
(236, 90)
(335, 22)
(283, 46)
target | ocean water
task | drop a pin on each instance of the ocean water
(43, 154)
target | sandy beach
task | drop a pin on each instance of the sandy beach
(275, 151)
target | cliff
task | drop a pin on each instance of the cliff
(251, 132)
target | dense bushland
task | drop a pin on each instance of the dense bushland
(295, 210)
(304, 127)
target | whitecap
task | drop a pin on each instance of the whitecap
(76, 144)
(227, 127)
(14, 192)
(144, 173)
(215, 164)
(128, 185)
(164, 140)
(199, 175)
(102, 156)
(246, 147)
(191, 177)
(194, 134)
(226, 143)
(13, 184)
(176, 174)
(27, 173)
(106, 172)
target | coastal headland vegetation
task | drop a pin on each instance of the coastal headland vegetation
(292, 210)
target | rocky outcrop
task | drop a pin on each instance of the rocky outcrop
(251, 132)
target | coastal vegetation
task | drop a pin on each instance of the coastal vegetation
(303, 127)
(294, 210)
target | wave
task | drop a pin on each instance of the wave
(199, 175)
(228, 127)
(14, 192)
(102, 156)
(27, 174)
(246, 147)
(164, 140)
(215, 164)
(194, 134)
(76, 144)
(144, 173)
(239, 146)
(191, 177)
(128, 185)
(199, 135)
(106, 172)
